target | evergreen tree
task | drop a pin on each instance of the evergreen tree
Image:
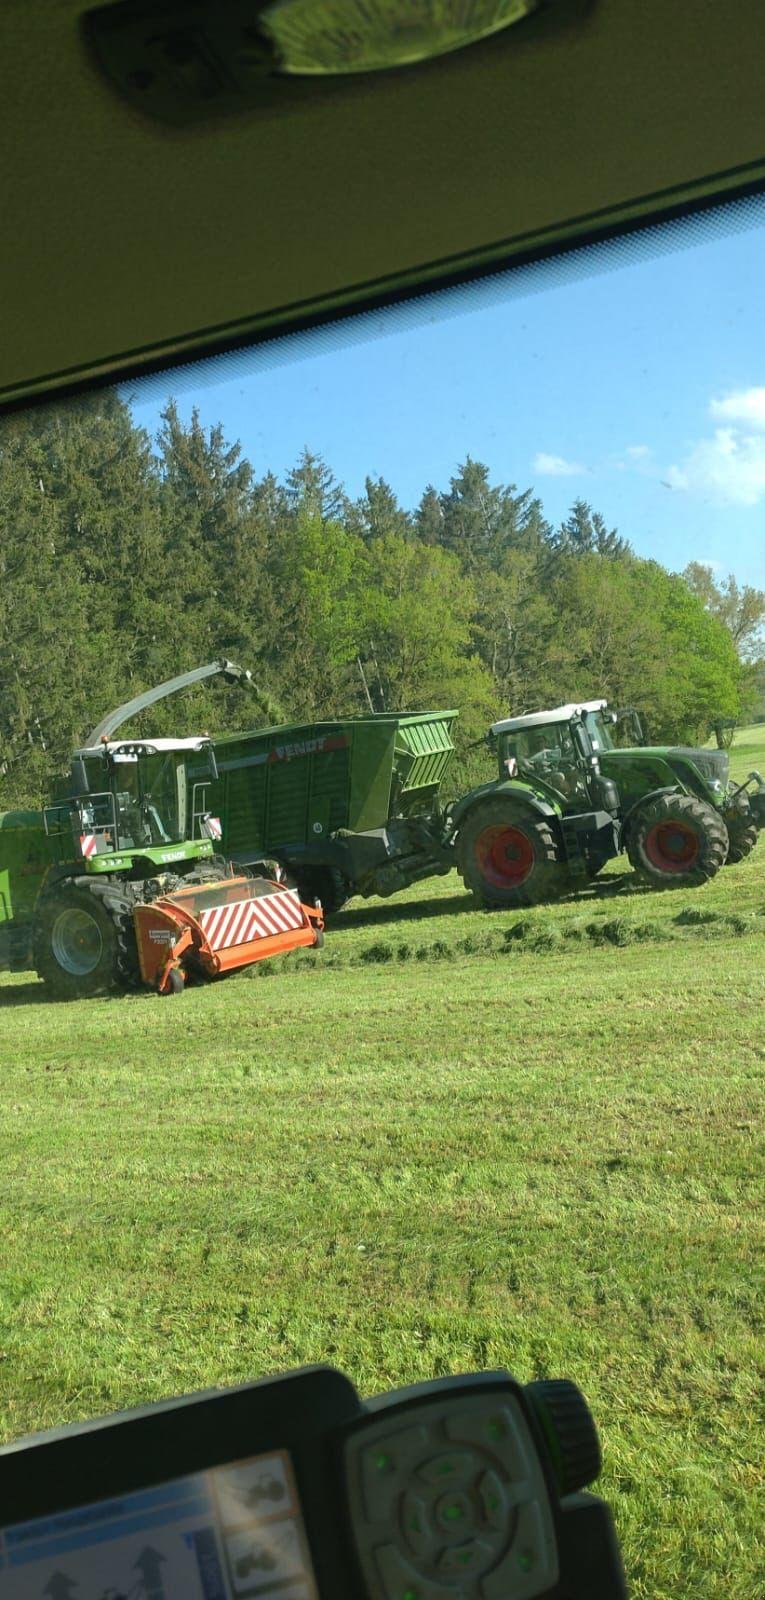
(378, 513)
(584, 532)
(429, 517)
(313, 488)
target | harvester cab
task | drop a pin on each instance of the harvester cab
(127, 806)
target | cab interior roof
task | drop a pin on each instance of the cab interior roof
(128, 243)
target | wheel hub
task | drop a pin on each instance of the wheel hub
(76, 942)
(672, 846)
(505, 855)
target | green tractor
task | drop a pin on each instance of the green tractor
(567, 800)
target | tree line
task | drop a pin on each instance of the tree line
(126, 559)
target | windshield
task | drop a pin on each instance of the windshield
(599, 730)
(549, 752)
(146, 793)
(505, 1115)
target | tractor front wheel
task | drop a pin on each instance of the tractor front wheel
(677, 841)
(507, 857)
(742, 836)
(75, 947)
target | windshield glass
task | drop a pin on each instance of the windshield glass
(599, 730)
(502, 1111)
(146, 792)
(549, 752)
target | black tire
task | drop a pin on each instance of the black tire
(676, 841)
(76, 949)
(742, 838)
(509, 857)
(321, 883)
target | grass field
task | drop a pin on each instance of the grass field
(450, 1141)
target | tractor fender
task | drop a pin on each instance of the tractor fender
(526, 799)
(637, 805)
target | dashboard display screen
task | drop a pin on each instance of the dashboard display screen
(229, 1533)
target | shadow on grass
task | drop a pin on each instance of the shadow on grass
(24, 994)
(455, 904)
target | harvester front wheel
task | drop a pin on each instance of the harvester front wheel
(677, 841)
(507, 857)
(76, 948)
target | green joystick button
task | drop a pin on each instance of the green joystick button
(454, 1514)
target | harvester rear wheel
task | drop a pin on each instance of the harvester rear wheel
(742, 836)
(75, 945)
(507, 857)
(677, 841)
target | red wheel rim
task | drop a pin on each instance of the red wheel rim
(672, 846)
(505, 856)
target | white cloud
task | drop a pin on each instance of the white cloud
(744, 406)
(638, 452)
(729, 468)
(556, 466)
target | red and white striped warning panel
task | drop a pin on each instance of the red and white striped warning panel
(212, 828)
(245, 920)
(87, 845)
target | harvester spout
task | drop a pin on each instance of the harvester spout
(141, 702)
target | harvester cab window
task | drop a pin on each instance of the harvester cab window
(146, 798)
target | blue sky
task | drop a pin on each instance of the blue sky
(639, 386)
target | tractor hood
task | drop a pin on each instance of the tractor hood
(713, 765)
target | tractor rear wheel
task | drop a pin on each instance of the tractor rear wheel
(742, 836)
(509, 857)
(76, 948)
(677, 841)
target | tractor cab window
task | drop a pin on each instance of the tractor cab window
(549, 752)
(146, 798)
(600, 730)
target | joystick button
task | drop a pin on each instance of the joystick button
(455, 1467)
(493, 1429)
(472, 1558)
(401, 1581)
(415, 1524)
(384, 1464)
(494, 1501)
(454, 1514)
(530, 1566)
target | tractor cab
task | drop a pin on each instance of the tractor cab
(132, 797)
(557, 749)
